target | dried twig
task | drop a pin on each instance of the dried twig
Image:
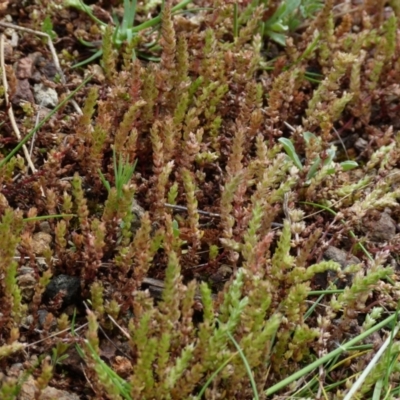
(34, 135)
(126, 334)
(208, 214)
(87, 378)
(53, 53)
(9, 106)
(108, 338)
(54, 335)
(182, 208)
(341, 142)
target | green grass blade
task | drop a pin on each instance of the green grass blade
(156, 20)
(213, 375)
(44, 217)
(128, 18)
(309, 368)
(348, 165)
(314, 168)
(104, 181)
(358, 383)
(81, 6)
(42, 122)
(291, 152)
(93, 57)
(246, 364)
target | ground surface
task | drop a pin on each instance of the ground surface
(29, 63)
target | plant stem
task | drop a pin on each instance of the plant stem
(280, 385)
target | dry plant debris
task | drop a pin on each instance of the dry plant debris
(213, 214)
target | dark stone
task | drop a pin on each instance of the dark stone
(343, 258)
(49, 70)
(23, 92)
(69, 286)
